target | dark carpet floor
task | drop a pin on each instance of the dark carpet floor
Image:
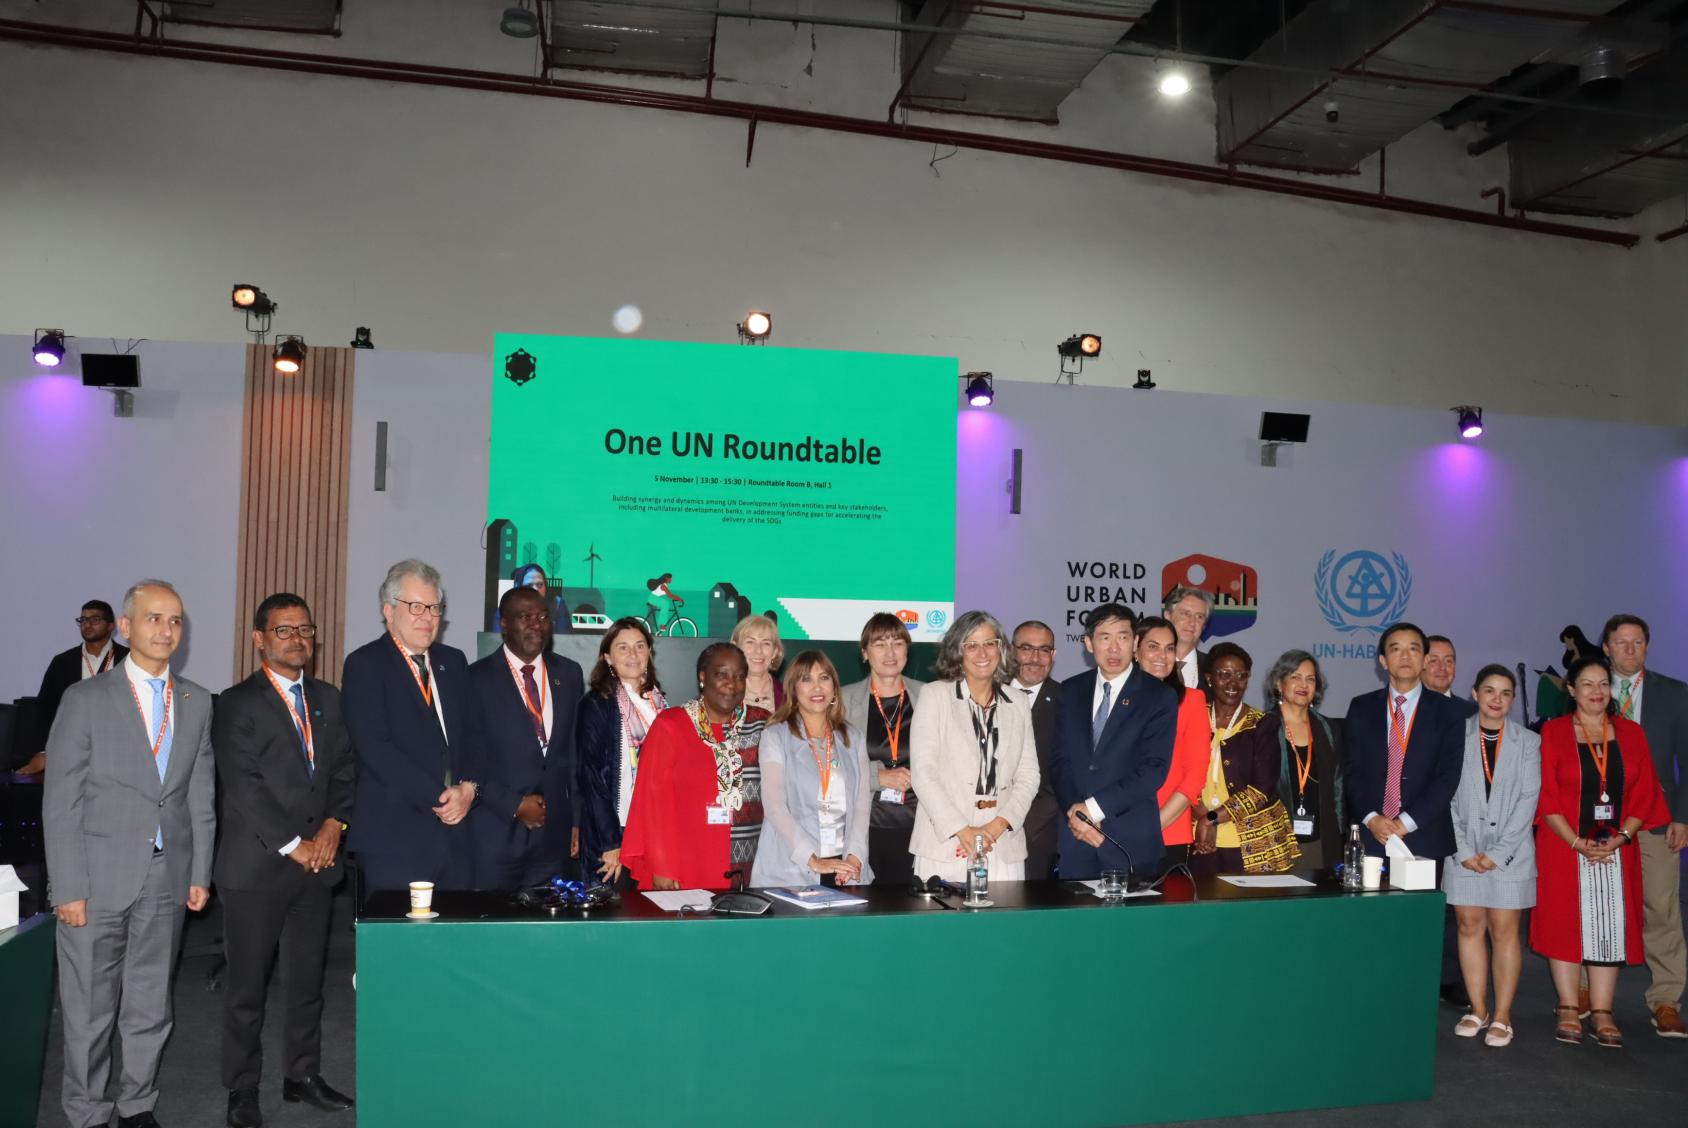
(1534, 1080)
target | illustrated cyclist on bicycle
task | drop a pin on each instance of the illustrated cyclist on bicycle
(661, 604)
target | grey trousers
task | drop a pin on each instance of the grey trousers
(115, 971)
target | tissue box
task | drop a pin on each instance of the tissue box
(1412, 873)
(10, 886)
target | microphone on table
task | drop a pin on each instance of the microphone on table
(1132, 885)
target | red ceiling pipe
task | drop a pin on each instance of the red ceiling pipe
(493, 82)
(1667, 236)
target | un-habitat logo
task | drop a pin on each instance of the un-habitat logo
(1362, 590)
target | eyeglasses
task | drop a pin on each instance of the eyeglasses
(288, 630)
(81, 619)
(1028, 648)
(988, 645)
(432, 610)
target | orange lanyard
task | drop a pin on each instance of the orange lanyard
(1395, 723)
(164, 721)
(516, 672)
(105, 663)
(1302, 770)
(1601, 757)
(1483, 751)
(824, 765)
(302, 721)
(894, 722)
(427, 689)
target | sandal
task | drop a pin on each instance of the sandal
(1607, 1033)
(1500, 1034)
(1470, 1026)
(1569, 1030)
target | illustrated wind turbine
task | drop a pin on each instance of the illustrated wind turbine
(591, 562)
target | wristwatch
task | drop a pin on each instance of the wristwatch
(1213, 816)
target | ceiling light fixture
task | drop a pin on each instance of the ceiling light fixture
(290, 354)
(49, 347)
(257, 307)
(756, 328)
(1470, 421)
(981, 389)
(518, 23)
(1174, 84)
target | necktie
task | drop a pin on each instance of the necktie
(1397, 757)
(1030, 693)
(163, 733)
(421, 661)
(1101, 720)
(1626, 700)
(298, 693)
(536, 709)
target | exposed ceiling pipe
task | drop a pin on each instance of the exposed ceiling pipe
(493, 82)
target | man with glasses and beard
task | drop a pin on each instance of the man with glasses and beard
(96, 654)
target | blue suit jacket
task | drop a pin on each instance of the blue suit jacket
(402, 762)
(507, 763)
(1122, 772)
(1429, 775)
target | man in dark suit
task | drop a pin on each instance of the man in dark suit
(1402, 753)
(524, 826)
(1187, 609)
(284, 773)
(406, 700)
(96, 654)
(1660, 704)
(1113, 747)
(1034, 652)
(1440, 668)
(129, 819)
(1402, 750)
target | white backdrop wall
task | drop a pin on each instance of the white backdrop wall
(439, 217)
(1540, 523)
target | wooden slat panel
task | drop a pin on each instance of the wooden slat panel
(295, 462)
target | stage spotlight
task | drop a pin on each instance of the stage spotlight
(1174, 84)
(49, 347)
(1470, 421)
(360, 338)
(756, 327)
(981, 389)
(290, 354)
(1083, 345)
(248, 297)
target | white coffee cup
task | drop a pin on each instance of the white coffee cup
(421, 898)
(1371, 874)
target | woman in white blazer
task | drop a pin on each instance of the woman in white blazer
(974, 757)
(1490, 879)
(816, 791)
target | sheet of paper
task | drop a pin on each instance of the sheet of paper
(1095, 887)
(673, 900)
(1395, 848)
(1265, 880)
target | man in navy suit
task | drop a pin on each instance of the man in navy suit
(1402, 750)
(1113, 747)
(406, 701)
(1440, 669)
(524, 827)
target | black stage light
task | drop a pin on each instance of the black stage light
(1081, 345)
(49, 347)
(290, 354)
(1470, 421)
(756, 328)
(249, 298)
(981, 389)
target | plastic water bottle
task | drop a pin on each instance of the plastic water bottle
(979, 873)
(1354, 861)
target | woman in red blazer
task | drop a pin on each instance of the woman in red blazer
(1157, 653)
(1598, 790)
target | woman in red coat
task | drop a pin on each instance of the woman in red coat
(1598, 790)
(1157, 653)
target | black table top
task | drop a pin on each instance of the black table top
(391, 905)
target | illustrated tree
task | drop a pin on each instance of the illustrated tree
(553, 560)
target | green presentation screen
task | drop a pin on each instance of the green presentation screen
(817, 485)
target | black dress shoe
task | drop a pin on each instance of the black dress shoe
(243, 1108)
(313, 1090)
(139, 1120)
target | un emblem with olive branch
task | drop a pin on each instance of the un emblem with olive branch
(1362, 591)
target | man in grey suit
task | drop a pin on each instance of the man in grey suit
(129, 824)
(1660, 705)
